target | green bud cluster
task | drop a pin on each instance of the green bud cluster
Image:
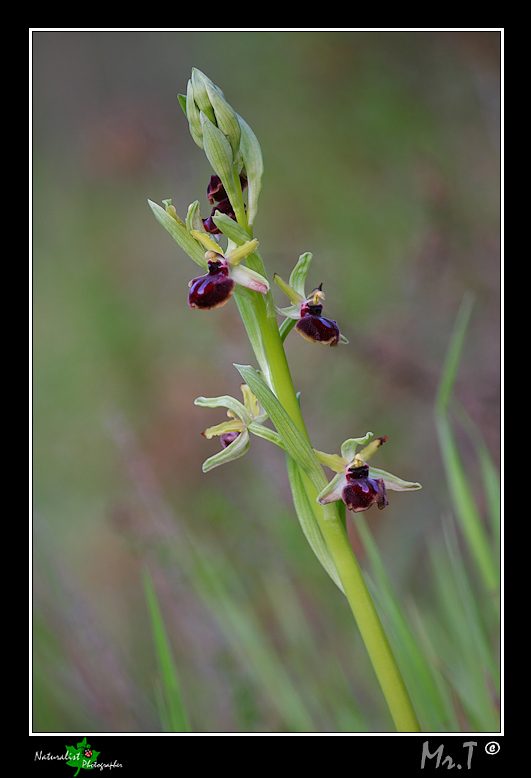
(229, 143)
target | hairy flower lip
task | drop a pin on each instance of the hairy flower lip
(317, 329)
(213, 289)
(362, 491)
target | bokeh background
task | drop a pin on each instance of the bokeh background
(381, 153)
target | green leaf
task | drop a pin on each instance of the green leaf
(77, 758)
(180, 234)
(308, 521)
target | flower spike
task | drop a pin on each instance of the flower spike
(357, 484)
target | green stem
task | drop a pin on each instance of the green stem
(331, 526)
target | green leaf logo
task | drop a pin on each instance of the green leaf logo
(82, 756)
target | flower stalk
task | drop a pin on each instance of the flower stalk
(235, 156)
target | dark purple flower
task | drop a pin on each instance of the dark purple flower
(362, 491)
(214, 289)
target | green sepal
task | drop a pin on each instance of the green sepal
(308, 521)
(291, 312)
(392, 482)
(297, 279)
(234, 450)
(225, 401)
(180, 234)
(294, 296)
(348, 449)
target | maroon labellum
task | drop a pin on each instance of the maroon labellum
(361, 491)
(314, 327)
(214, 289)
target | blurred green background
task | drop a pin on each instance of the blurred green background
(381, 153)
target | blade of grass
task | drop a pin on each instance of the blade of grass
(489, 474)
(171, 700)
(462, 497)
(463, 654)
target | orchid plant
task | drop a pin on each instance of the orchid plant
(236, 270)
